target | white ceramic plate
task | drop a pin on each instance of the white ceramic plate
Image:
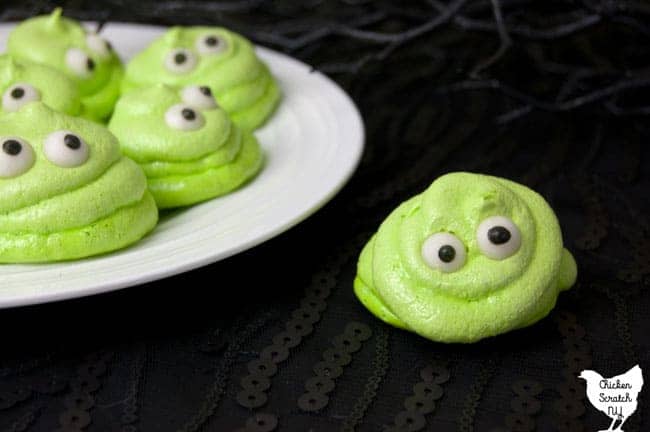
(313, 144)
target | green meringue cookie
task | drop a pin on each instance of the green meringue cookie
(187, 146)
(212, 56)
(66, 192)
(23, 82)
(81, 55)
(473, 256)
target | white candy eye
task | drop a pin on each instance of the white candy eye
(498, 237)
(180, 61)
(16, 157)
(210, 44)
(444, 252)
(18, 95)
(98, 45)
(79, 62)
(199, 97)
(184, 118)
(65, 149)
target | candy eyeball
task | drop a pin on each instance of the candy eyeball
(98, 45)
(18, 95)
(210, 44)
(444, 251)
(180, 61)
(79, 62)
(498, 237)
(65, 149)
(184, 117)
(199, 97)
(16, 157)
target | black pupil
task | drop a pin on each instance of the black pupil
(205, 90)
(188, 114)
(71, 141)
(447, 253)
(211, 41)
(90, 64)
(180, 58)
(17, 93)
(498, 235)
(12, 147)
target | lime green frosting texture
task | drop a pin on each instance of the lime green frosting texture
(57, 90)
(183, 167)
(46, 39)
(242, 84)
(484, 297)
(51, 213)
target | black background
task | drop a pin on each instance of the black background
(551, 94)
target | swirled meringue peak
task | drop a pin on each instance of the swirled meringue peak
(23, 82)
(223, 61)
(66, 192)
(189, 148)
(82, 55)
(473, 256)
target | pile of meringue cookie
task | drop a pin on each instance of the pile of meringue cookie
(91, 149)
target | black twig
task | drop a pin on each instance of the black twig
(525, 31)
(530, 102)
(504, 42)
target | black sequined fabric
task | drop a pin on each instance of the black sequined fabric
(552, 94)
